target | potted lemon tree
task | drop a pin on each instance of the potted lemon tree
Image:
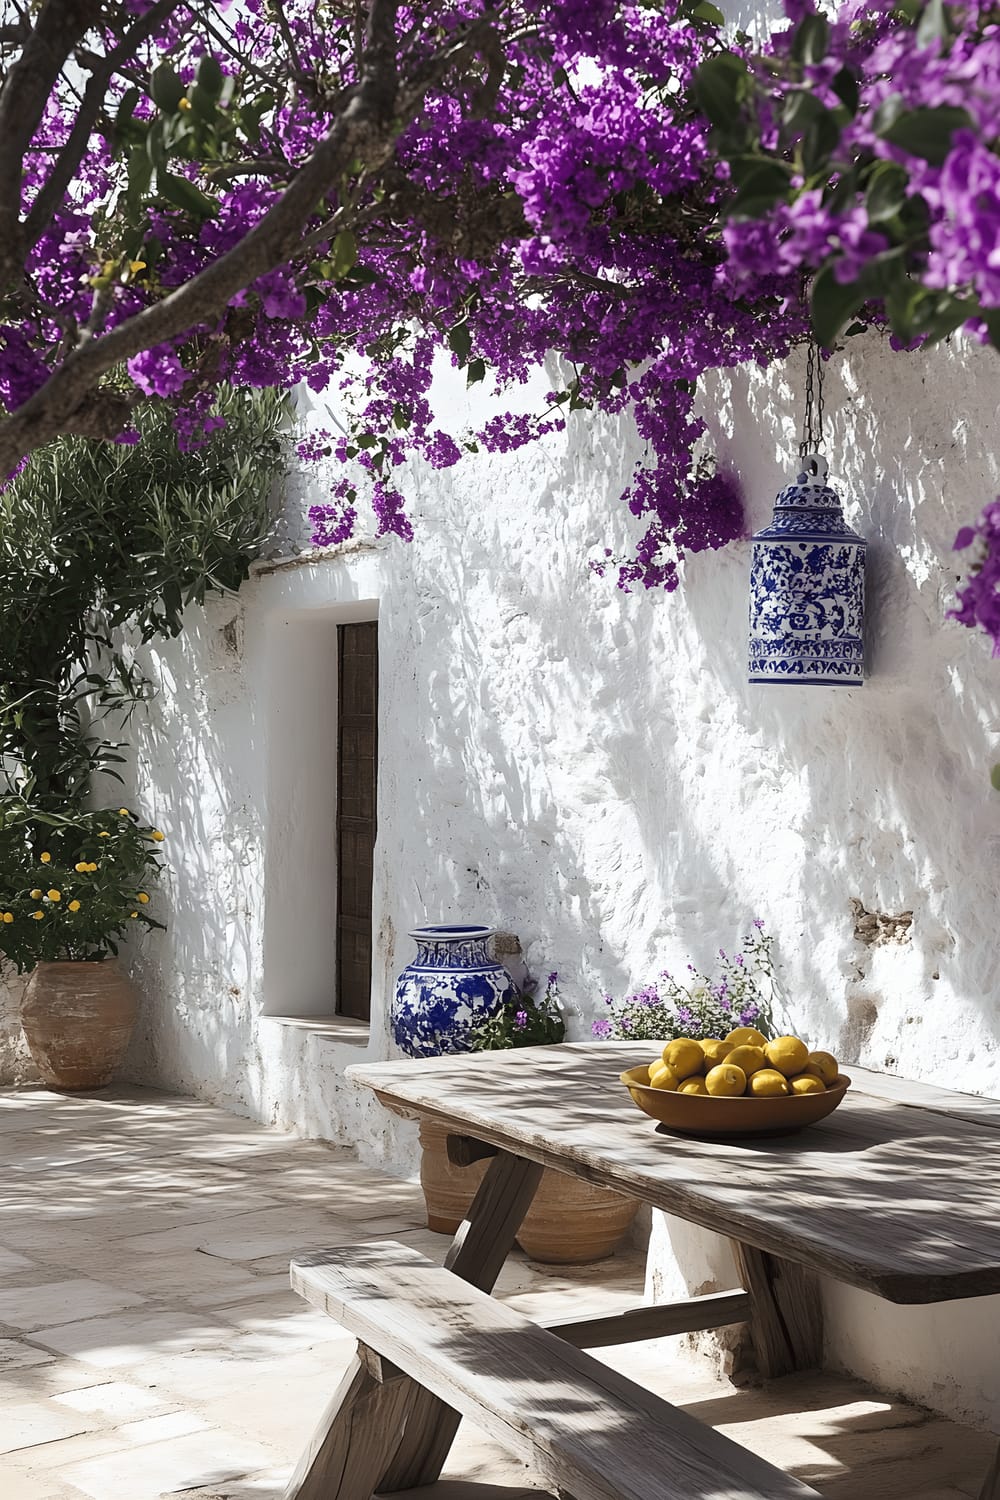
(72, 886)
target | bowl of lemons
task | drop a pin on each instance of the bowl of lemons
(740, 1084)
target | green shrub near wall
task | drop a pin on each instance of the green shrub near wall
(98, 536)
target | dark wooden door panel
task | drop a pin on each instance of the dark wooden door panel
(357, 761)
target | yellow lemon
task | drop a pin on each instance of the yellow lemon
(715, 1051)
(36, 894)
(157, 835)
(45, 858)
(54, 895)
(133, 913)
(726, 1080)
(746, 1036)
(767, 1082)
(81, 867)
(693, 1086)
(824, 1066)
(103, 835)
(8, 917)
(38, 915)
(806, 1083)
(123, 812)
(659, 1066)
(662, 1077)
(750, 1059)
(787, 1054)
(142, 897)
(684, 1056)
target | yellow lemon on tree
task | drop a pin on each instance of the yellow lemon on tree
(54, 895)
(692, 1086)
(74, 906)
(45, 858)
(768, 1082)
(746, 1036)
(8, 917)
(662, 1077)
(715, 1050)
(806, 1083)
(750, 1059)
(36, 894)
(684, 1056)
(824, 1065)
(787, 1054)
(726, 1080)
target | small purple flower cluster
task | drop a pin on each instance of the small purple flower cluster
(979, 596)
(741, 993)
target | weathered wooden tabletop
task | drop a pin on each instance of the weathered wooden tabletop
(897, 1192)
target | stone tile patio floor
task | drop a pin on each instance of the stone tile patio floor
(150, 1346)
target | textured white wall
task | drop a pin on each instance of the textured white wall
(590, 770)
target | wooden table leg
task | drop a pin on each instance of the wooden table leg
(477, 1254)
(786, 1315)
(393, 1434)
(991, 1484)
(356, 1437)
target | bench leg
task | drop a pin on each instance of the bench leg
(786, 1318)
(478, 1251)
(355, 1439)
(991, 1484)
(396, 1435)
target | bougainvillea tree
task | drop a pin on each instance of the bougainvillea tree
(277, 191)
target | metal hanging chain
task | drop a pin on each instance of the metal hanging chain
(812, 424)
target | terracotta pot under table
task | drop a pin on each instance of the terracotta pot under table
(77, 1018)
(570, 1222)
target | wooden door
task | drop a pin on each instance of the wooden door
(357, 742)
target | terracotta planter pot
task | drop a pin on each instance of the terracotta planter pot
(77, 1020)
(571, 1222)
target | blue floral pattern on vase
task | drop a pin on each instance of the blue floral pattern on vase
(807, 588)
(450, 986)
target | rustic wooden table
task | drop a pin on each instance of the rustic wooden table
(896, 1193)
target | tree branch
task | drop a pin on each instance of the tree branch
(23, 96)
(365, 132)
(59, 179)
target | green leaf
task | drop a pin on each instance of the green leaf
(719, 87)
(832, 304)
(886, 191)
(184, 195)
(995, 778)
(811, 40)
(760, 190)
(703, 10)
(210, 76)
(933, 24)
(476, 372)
(202, 103)
(344, 252)
(927, 133)
(460, 342)
(845, 86)
(166, 88)
(819, 142)
(124, 122)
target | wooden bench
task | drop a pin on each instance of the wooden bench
(585, 1429)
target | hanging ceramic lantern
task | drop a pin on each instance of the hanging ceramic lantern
(807, 588)
(807, 578)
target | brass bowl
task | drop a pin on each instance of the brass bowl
(711, 1115)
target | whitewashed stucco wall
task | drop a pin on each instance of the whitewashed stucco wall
(590, 770)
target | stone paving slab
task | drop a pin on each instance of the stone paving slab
(150, 1345)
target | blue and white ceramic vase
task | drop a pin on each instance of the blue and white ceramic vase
(807, 588)
(450, 986)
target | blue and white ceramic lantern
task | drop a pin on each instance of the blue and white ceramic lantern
(451, 986)
(807, 588)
